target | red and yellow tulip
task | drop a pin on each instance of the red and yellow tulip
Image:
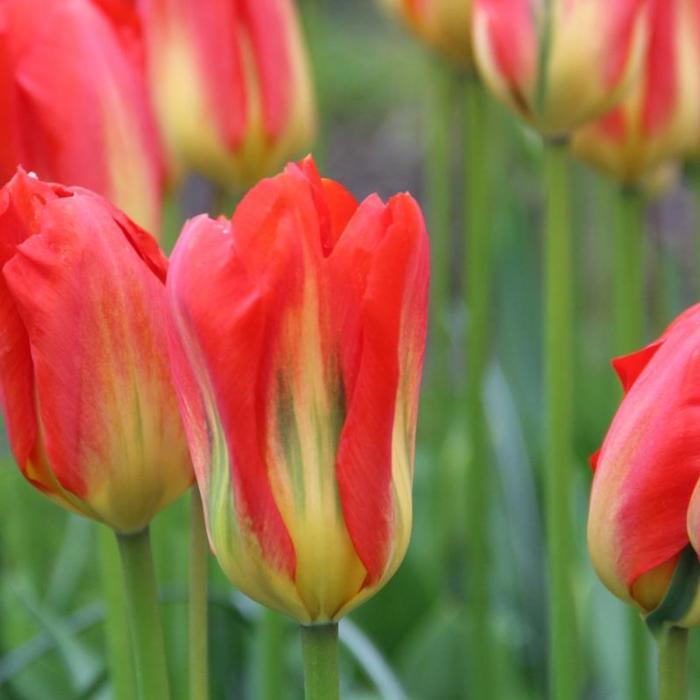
(301, 323)
(644, 501)
(230, 83)
(444, 24)
(558, 63)
(659, 119)
(85, 383)
(74, 106)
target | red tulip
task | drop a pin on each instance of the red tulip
(74, 106)
(659, 119)
(644, 502)
(231, 84)
(85, 384)
(558, 63)
(303, 321)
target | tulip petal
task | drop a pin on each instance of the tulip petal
(629, 367)
(383, 363)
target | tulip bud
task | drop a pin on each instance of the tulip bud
(301, 323)
(644, 499)
(73, 105)
(558, 63)
(85, 384)
(444, 24)
(230, 83)
(659, 119)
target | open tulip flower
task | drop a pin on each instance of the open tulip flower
(301, 322)
(444, 24)
(74, 105)
(85, 384)
(231, 84)
(558, 63)
(645, 501)
(658, 120)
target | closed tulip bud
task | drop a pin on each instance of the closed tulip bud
(644, 504)
(301, 323)
(74, 105)
(85, 384)
(231, 84)
(659, 118)
(444, 24)
(558, 63)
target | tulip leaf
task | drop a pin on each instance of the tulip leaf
(680, 595)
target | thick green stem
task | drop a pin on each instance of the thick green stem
(143, 611)
(198, 621)
(629, 272)
(270, 681)
(673, 664)
(320, 647)
(478, 295)
(558, 364)
(629, 336)
(439, 197)
(121, 667)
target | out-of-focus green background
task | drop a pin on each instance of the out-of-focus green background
(375, 88)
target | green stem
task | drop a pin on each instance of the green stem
(198, 626)
(558, 363)
(478, 296)
(629, 336)
(143, 610)
(439, 198)
(673, 664)
(270, 667)
(320, 647)
(629, 272)
(121, 667)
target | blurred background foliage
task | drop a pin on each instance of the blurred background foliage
(375, 89)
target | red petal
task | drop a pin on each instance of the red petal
(629, 367)
(387, 261)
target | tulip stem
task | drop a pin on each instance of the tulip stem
(478, 295)
(558, 348)
(439, 191)
(629, 336)
(121, 667)
(629, 272)
(198, 624)
(143, 610)
(320, 647)
(673, 664)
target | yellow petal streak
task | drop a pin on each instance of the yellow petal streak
(302, 455)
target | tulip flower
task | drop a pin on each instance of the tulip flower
(301, 323)
(73, 104)
(658, 119)
(644, 500)
(558, 63)
(231, 84)
(444, 24)
(85, 384)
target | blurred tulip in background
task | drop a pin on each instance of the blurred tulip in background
(444, 24)
(74, 106)
(658, 121)
(231, 85)
(558, 63)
